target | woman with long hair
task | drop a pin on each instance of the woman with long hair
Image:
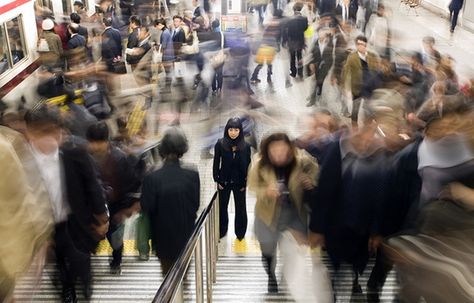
(231, 162)
(283, 178)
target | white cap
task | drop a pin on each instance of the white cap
(47, 24)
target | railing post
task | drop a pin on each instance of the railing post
(198, 271)
(209, 268)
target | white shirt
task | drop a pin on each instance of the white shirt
(362, 56)
(50, 170)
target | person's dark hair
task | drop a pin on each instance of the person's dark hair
(239, 142)
(417, 57)
(174, 143)
(75, 18)
(265, 144)
(215, 24)
(161, 21)
(107, 21)
(42, 116)
(297, 7)
(97, 132)
(135, 20)
(74, 28)
(79, 3)
(177, 17)
(361, 38)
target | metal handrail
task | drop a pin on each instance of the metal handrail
(173, 280)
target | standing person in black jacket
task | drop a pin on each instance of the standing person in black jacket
(111, 44)
(170, 197)
(133, 37)
(78, 203)
(120, 180)
(231, 162)
(293, 38)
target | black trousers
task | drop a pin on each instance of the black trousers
(240, 223)
(379, 273)
(257, 70)
(72, 261)
(295, 65)
(453, 16)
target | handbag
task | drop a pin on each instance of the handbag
(193, 48)
(118, 67)
(157, 56)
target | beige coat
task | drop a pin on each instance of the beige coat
(26, 219)
(352, 72)
(268, 209)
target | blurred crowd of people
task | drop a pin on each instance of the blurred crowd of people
(382, 169)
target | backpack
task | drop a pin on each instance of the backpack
(43, 45)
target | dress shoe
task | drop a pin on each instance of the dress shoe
(88, 290)
(272, 284)
(69, 295)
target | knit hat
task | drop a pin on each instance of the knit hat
(47, 24)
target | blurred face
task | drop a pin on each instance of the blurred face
(279, 153)
(46, 139)
(361, 46)
(233, 133)
(176, 22)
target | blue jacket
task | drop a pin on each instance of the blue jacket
(167, 45)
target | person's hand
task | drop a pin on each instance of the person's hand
(374, 244)
(334, 81)
(316, 240)
(458, 192)
(272, 191)
(306, 182)
(242, 189)
(219, 186)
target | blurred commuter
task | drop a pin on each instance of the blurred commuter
(167, 49)
(359, 70)
(283, 178)
(377, 32)
(293, 39)
(26, 216)
(135, 54)
(455, 7)
(111, 44)
(76, 40)
(49, 45)
(121, 182)
(79, 208)
(231, 162)
(81, 30)
(133, 40)
(170, 197)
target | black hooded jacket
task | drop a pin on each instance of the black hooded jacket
(231, 166)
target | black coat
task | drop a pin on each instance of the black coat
(222, 166)
(293, 32)
(111, 44)
(76, 41)
(456, 5)
(348, 209)
(322, 61)
(170, 197)
(84, 195)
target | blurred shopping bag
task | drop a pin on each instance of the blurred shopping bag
(306, 283)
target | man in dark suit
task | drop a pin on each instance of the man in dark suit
(177, 35)
(76, 40)
(111, 43)
(454, 7)
(133, 38)
(321, 62)
(293, 38)
(77, 200)
(81, 30)
(170, 197)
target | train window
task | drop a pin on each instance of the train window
(12, 44)
(45, 4)
(16, 40)
(4, 61)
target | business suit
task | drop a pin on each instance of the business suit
(178, 38)
(322, 61)
(84, 207)
(111, 46)
(454, 8)
(293, 37)
(76, 41)
(170, 197)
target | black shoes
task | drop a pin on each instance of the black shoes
(115, 267)
(272, 284)
(69, 295)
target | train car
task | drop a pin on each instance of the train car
(19, 21)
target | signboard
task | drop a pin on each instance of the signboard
(234, 23)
